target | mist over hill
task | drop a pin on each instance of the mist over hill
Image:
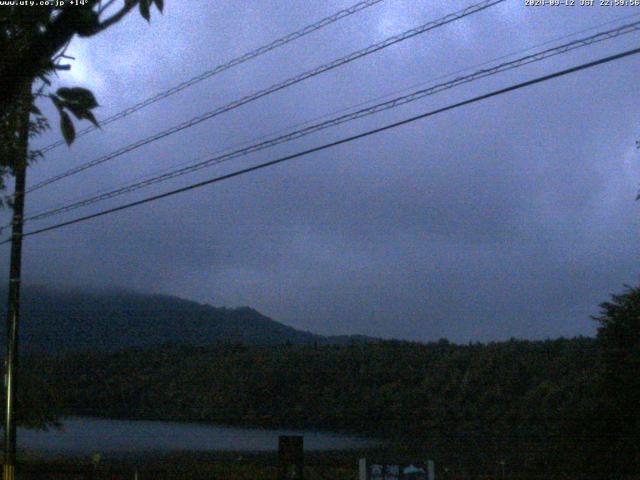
(54, 321)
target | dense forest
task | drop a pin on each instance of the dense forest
(514, 398)
(381, 389)
(566, 405)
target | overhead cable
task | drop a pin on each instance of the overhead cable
(272, 89)
(380, 107)
(342, 141)
(224, 66)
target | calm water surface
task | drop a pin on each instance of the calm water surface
(81, 436)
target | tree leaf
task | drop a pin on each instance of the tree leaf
(81, 113)
(88, 115)
(68, 130)
(81, 97)
(144, 10)
(57, 102)
(159, 4)
(43, 77)
(87, 22)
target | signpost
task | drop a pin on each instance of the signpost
(395, 471)
(290, 457)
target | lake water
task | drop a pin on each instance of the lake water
(83, 436)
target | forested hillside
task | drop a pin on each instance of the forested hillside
(565, 404)
(55, 321)
(483, 398)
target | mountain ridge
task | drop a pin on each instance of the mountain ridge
(55, 320)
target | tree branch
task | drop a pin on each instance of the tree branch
(43, 48)
(105, 7)
(115, 18)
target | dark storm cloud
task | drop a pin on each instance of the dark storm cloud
(511, 217)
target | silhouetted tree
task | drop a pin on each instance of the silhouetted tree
(33, 40)
(619, 386)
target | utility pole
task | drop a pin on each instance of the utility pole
(13, 309)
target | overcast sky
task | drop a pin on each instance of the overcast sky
(513, 217)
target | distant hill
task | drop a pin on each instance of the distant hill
(57, 321)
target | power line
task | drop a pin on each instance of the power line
(225, 66)
(352, 138)
(150, 176)
(276, 87)
(394, 103)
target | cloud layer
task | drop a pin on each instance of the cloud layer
(511, 217)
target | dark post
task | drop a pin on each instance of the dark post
(13, 310)
(290, 457)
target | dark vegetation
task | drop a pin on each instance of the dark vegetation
(528, 401)
(566, 405)
(194, 466)
(58, 321)
(33, 41)
(519, 388)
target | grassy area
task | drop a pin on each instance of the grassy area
(326, 465)
(191, 466)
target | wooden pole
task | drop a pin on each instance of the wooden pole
(13, 310)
